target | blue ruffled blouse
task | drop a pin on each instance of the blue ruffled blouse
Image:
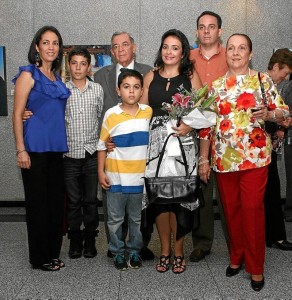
(45, 130)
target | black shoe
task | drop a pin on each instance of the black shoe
(89, 248)
(89, 243)
(257, 285)
(285, 245)
(76, 244)
(146, 254)
(232, 271)
(75, 249)
(109, 254)
(198, 255)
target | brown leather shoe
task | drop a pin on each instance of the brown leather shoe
(198, 254)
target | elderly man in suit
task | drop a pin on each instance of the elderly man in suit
(123, 49)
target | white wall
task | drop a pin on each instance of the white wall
(267, 22)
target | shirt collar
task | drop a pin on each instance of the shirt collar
(117, 109)
(219, 49)
(71, 85)
(130, 66)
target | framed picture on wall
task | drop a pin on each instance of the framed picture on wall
(3, 84)
(100, 57)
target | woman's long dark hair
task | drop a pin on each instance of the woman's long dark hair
(32, 58)
(186, 66)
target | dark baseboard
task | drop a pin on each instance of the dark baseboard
(22, 203)
(12, 204)
(21, 217)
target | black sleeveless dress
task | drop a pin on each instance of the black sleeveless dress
(161, 90)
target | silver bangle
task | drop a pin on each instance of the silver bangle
(203, 162)
(274, 118)
(202, 157)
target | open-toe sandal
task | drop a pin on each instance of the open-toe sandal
(58, 262)
(178, 267)
(47, 267)
(163, 265)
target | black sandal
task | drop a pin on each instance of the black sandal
(178, 267)
(47, 267)
(58, 262)
(164, 262)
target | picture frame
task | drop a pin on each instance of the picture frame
(100, 57)
(3, 83)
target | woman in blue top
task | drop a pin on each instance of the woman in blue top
(40, 143)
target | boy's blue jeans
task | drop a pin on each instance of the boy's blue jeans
(118, 205)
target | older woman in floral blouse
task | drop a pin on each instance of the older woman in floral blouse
(241, 152)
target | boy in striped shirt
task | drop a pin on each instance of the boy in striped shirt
(120, 172)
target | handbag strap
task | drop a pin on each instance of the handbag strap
(262, 89)
(163, 151)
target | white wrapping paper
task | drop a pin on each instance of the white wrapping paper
(195, 119)
(198, 119)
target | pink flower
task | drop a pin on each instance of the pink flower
(180, 100)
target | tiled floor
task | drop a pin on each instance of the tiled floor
(92, 279)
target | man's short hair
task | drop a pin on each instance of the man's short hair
(82, 51)
(210, 13)
(122, 32)
(129, 73)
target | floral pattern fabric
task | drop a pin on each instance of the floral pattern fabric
(239, 141)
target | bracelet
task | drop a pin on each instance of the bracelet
(20, 151)
(203, 162)
(274, 118)
(202, 157)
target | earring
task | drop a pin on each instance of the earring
(37, 59)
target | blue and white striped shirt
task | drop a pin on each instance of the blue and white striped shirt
(125, 166)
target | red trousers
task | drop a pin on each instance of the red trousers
(242, 197)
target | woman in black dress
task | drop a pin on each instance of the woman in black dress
(174, 69)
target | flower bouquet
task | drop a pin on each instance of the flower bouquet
(192, 107)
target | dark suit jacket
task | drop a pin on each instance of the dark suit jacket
(106, 77)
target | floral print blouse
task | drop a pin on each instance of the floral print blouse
(239, 142)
